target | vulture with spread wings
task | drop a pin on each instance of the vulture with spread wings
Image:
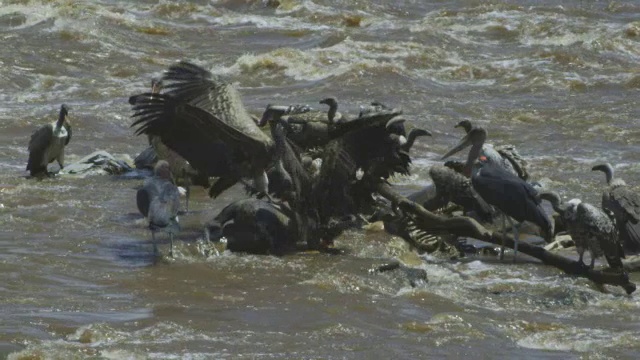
(202, 118)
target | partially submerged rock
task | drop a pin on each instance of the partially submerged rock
(97, 163)
(415, 276)
(146, 159)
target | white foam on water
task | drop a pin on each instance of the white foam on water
(577, 339)
(34, 13)
(318, 64)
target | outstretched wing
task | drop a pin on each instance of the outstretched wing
(183, 118)
(198, 87)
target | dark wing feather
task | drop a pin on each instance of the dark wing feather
(201, 138)
(143, 199)
(292, 163)
(512, 195)
(628, 200)
(630, 237)
(163, 208)
(367, 120)
(194, 85)
(38, 143)
(363, 143)
(67, 126)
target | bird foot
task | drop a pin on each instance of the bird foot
(582, 266)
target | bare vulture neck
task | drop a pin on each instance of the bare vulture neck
(333, 109)
(60, 121)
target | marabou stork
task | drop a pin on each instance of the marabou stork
(159, 201)
(505, 156)
(504, 190)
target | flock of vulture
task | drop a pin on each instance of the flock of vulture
(317, 172)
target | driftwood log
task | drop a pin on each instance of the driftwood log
(468, 227)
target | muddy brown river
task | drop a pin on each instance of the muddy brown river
(558, 79)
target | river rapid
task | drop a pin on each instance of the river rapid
(558, 79)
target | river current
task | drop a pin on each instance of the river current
(558, 79)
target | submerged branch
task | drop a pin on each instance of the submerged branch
(467, 227)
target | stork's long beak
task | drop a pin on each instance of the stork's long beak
(466, 141)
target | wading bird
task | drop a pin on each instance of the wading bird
(183, 173)
(47, 144)
(507, 192)
(505, 156)
(625, 205)
(590, 228)
(202, 118)
(159, 200)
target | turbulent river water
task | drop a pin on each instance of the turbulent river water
(559, 79)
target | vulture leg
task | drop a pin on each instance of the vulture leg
(187, 182)
(516, 237)
(580, 255)
(60, 159)
(504, 235)
(171, 242)
(188, 194)
(155, 245)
